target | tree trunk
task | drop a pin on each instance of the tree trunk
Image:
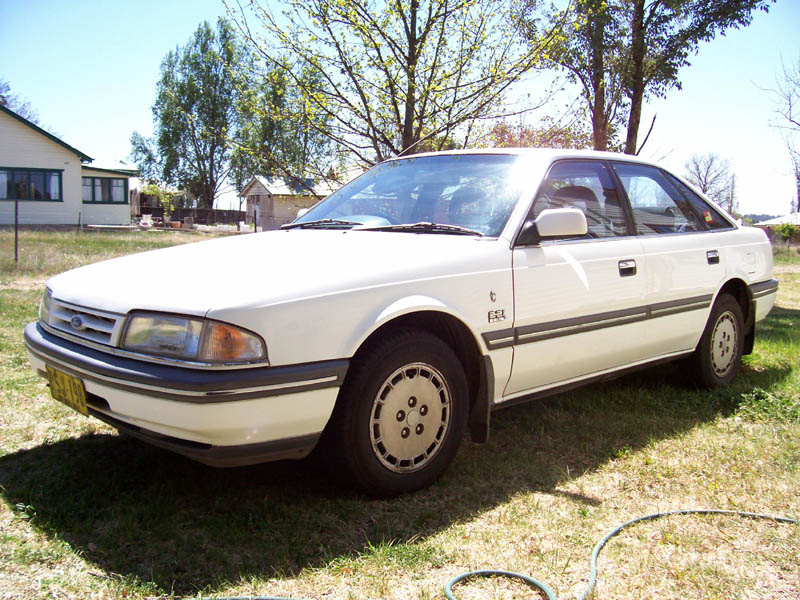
(411, 73)
(636, 84)
(596, 34)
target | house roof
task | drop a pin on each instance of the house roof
(280, 187)
(793, 218)
(84, 157)
(124, 172)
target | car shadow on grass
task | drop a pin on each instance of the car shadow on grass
(148, 515)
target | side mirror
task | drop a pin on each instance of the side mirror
(553, 223)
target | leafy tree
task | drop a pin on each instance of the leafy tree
(194, 115)
(166, 198)
(664, 35)
(591, 51)
(622, 52)
(19, 105)
(277, 135)
(145, 156)
(713, 176)
(392, 75)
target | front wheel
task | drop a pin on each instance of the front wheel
(401, 414)
(719, 353)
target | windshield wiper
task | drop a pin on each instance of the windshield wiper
(425, 227)
(321, 223)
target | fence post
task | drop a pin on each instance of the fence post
(16, 231)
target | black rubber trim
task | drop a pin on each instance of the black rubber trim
(207, 386)
(563, 327)
(218, 456)
(481, 409)
(763, 288)
(676, 306)
(501, 338)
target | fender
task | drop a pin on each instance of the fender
(482, 401)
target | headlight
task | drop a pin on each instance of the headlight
(44, 306)
(191, 339)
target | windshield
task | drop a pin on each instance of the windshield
(476, 192)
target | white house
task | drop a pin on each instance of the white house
(54, 183)
(793, 219)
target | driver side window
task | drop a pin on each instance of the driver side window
(587, 186)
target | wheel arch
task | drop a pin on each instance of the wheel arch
(460, 338)
(739, 289)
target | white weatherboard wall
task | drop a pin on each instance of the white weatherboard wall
(21, 146)
(106, 214)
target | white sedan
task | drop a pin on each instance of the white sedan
(406, 307)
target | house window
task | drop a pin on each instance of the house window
(29, 184)
(104, 190)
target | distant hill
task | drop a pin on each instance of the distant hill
(759, 218)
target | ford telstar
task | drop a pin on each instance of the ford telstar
(397, 314)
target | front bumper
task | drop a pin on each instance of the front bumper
(219, 417)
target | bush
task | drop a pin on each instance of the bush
(786, 231)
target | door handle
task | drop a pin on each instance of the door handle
(712, 256)
(627, 268)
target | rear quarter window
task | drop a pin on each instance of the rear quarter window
(709, 215)
(658, 207)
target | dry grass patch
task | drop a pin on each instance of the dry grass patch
(87, 513)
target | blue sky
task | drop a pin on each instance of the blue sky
(90, 70)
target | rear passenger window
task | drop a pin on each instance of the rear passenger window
(658, 206)
(709, 215)
(589, 187)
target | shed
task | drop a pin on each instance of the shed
(275, 201)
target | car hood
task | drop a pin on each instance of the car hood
(269, 268)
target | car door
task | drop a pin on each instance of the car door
(578, 303)
(681, 257)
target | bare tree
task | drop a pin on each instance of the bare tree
(713, 176)
(19, 105)
(787, 94)
(795, 204)
(394, 76)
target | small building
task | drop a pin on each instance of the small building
(274, 202)
(54, 183)
(793, 219)
(770, 225)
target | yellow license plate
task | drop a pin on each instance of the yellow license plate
(67, 389)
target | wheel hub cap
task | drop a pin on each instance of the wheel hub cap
(724, 342)
(410, 417)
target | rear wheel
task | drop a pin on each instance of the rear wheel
(401, 415)
(719, 353)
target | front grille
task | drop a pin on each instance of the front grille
(86, 323)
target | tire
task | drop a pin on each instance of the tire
(717, 357)
(400, 416)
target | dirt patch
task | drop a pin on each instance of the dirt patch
(24, 285)
(778, 269)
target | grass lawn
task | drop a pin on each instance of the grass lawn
(87, 513)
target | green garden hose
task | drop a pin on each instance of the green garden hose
(448, 589)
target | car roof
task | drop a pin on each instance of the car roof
(540, 153)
